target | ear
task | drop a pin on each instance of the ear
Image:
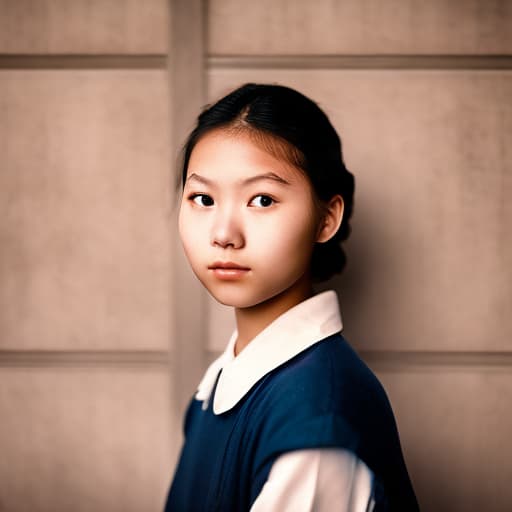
(331, 219)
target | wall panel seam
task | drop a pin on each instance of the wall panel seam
(429, 62)
(383, 359)
(187, 85)
(83, 61)
(411, 359)
(88, 358)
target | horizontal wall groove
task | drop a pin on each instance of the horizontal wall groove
(405, 359)
(83, 61)
(88, 358)
(405, 62)
(410, 360)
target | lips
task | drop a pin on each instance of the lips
(228, 270)
(227, 265)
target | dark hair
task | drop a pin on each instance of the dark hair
(294, 127)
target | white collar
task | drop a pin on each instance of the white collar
(294, 331)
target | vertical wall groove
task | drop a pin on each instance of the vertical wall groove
(187, 89)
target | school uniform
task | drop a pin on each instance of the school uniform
(296, 422)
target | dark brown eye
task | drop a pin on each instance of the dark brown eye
(202, 199)
(262, 201)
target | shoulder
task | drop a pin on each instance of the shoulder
(323, 397)
(326, 396)
(330, 375)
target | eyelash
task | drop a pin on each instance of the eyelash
(193, 198)
(266, 196)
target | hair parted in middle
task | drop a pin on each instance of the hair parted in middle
(291, 127)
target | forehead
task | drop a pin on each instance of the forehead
(241, 153)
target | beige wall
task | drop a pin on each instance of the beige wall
(424, 109)
(87, 415)
(100, 347)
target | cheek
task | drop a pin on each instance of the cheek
(297, 247)
(182, 227)
(289, 241)
(189, 234)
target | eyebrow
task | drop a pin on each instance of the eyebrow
(272, 176)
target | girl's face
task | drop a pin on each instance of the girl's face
(247, 220)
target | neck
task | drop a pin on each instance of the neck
(252, 320)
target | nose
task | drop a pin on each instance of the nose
(227, 230)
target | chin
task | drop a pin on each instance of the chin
(233, 299)
(237, 296)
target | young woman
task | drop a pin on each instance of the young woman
(288, 418)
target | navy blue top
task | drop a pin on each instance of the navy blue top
(324, 397)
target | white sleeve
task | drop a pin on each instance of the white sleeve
(317, 480)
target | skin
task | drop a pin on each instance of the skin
(242, 205)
